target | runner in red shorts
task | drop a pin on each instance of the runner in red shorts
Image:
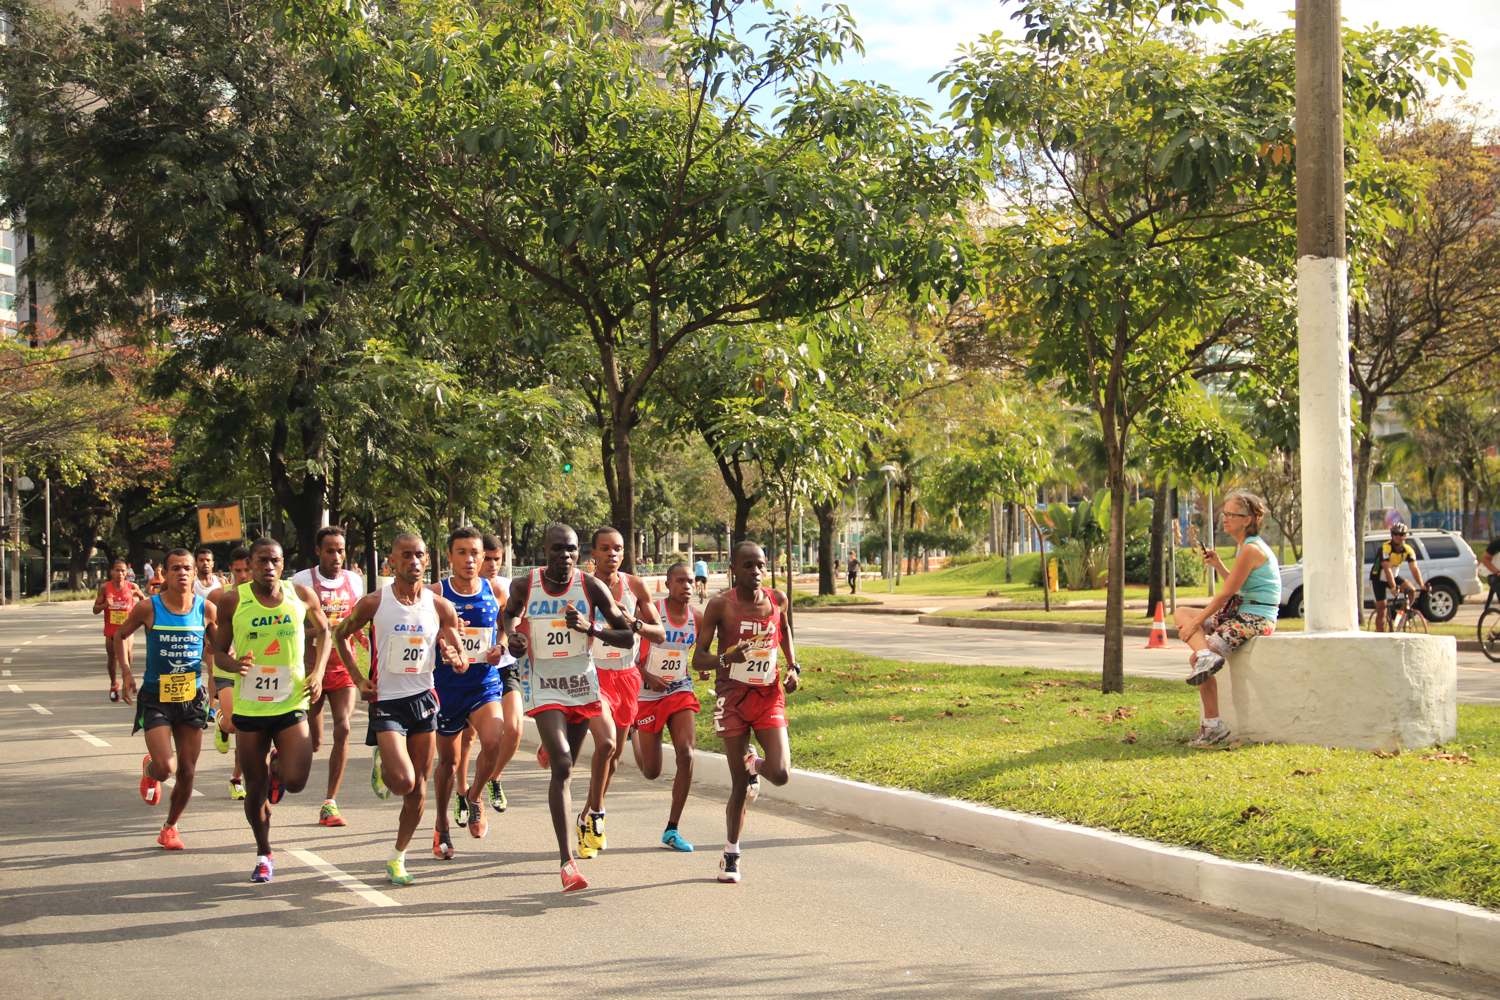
(667, 700)
(747, 621)
(619, 677)
(338, 590)
(548, 621)
(116, 597)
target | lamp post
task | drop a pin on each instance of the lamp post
(889, 471)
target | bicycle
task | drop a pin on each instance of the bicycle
(1403, 615)
(1489, 622)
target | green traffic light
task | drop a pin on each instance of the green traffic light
(567, 467)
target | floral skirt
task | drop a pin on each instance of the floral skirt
(1229, 628)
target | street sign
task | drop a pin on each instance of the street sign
(219, 522)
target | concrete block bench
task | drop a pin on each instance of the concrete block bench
(1361, 690)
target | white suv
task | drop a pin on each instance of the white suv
(1447, 563)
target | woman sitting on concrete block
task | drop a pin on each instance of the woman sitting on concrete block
(1244, 607)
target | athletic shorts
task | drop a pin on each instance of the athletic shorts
(151, 711)
(700, 579)
(336, 677)
(655, 714)
(621, 690)
(741, 708)
(220, 683)
(268, 724)
(572, 713)
(1381, 588)
(454, 707)
(510, 678)
(417, 713)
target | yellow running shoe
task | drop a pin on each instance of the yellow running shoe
(236, 790)
(395, 872)
(587, 846)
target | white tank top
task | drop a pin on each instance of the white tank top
(608, 657)
(672, 660)
(558, 668)
(406, 636)
(204, 589)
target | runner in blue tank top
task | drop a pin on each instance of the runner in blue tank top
(471, 698)
(173, 699)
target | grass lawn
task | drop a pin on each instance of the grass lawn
(987, 576)
(59, 595)
(1457, 629)
(812, 600)
(1048, 743)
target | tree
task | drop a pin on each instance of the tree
(1430, 305)
(1150, 197)
(621, 169)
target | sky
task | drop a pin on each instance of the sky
(906, 42)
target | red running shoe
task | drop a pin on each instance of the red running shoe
(572, 879)
(542, 760)
(169, 839)
(150, 787)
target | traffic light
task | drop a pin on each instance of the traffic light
(567, 468)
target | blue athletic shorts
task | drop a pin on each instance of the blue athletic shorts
(455, 704)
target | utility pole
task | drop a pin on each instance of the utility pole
(47, 537)
(1331, 581)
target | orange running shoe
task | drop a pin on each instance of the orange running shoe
(572, 878)
(542, 760)
(150, 787)
(169, 839)
(478, 825)
(442, 846)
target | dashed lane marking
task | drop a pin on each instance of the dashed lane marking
(349, 882)
(39, 709)
(90, 738)
(15, 689)
(172, 783)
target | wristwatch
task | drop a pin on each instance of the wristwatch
(636, 626)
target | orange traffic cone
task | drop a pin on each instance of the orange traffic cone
(1158, 638)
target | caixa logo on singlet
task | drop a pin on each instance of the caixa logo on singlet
(413, 627)
(261, 621)
(554, 606)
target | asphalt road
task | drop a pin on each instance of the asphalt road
(900, 637)
(92, 908)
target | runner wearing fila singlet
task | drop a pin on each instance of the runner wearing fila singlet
(173, 704)
(747, 623)
(469, 699)
(117, 595)
(338, 589)
(548, 621)
(263, 622)
(224, 681)
(619, 677)
(667, 700)
(411, 626)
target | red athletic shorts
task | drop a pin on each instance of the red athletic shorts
(335, 676)
(573, 713)
(740, 708)
(654, 714)
(621, 689)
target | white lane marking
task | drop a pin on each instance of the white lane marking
(349, 882)
(172, 783)
(38, 709)
(26, 643)
(89, 738)
(15, 689)
(5, 673)
(10, 659)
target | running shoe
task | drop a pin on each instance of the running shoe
(478, 825)
(277, 788)
(587, 848)
(674, 840)
(396, 873)
(461, 810)
(169, 839)
(377, 783)
(150, 787)
(221, 738)
(213, 715)
(236, 789)
(114, 693)
(752, 764)
(596, 827)
(729, 868)
(442, 845)
(1206, 663)
(572, 878)
(1210, 736)
(263, 870)
(498, 802)
(329, 815)
(542, 760)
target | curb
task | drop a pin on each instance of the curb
(1454, 933)
(858, 609)
(1086, 628)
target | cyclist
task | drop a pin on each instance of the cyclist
(1385, 572)
(1488, 562)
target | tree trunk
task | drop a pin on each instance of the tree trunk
(824, 512)
(305, 505)
(1156, 571)
(791, 578)
(1113, 681)
(1364, 458)
(622, 501)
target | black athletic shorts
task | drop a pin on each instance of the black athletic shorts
(417, 713)
(151, 711)
(268, 724)
(510, 679)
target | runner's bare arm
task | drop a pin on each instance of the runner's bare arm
(515, 603)
(619, 632)
(652, 628)
(99, 601)
(317, 623)
(450, 640)
(705, 661)
(225, 603)
(360, 615)
(210, 620)
(140, 616)
(793, 672)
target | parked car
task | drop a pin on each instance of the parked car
(1447, 562)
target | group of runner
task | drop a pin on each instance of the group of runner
(584, 655)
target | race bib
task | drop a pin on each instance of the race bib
(177, 687)
(266, 684)
(406, 654)
(477, 642)
(114, 617)
(668, 664)
(758, 668)
(551, 639)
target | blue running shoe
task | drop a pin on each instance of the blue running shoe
(674, 840)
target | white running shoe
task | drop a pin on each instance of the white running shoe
(1210, 736)
(1206, 663)
(752, 790)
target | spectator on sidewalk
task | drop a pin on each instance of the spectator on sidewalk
(1245, 606)
(853, 572)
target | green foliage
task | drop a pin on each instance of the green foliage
(1138, 564)
(1078, 536)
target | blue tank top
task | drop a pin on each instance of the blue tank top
(175, 643)
(1261, 592)
(478, 615)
